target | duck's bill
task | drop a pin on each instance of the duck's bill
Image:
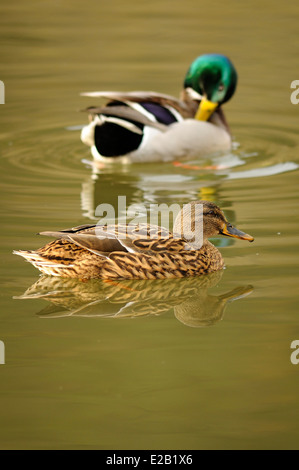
(205, 109)
(231, 231)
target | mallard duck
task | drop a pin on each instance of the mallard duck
(138, 251)
(147, 126)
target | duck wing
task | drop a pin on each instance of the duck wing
(104, 240)
(128, 120)
(161, 99)
(125, 116)
(87, 237)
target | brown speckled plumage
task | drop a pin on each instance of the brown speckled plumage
(127, 252)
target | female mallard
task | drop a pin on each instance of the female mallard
(138, 251)
(148, 126)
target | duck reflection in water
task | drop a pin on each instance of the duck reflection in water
(189, 298)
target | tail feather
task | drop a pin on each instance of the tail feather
(45, 265)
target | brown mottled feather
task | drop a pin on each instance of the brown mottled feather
(134, 252)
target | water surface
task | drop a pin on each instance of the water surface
(185, 364)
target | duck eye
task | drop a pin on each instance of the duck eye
(211, 212)
(221, 87)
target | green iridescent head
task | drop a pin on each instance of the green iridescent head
(213, 76)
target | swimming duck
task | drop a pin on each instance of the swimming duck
(138, 251)
(148, 126)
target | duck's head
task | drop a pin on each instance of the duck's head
(214, 78)
(200, 220)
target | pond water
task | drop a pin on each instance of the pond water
(183, 364)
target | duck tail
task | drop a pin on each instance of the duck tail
(44, 265)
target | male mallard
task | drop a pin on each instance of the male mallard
(138, 251)
(147, 126)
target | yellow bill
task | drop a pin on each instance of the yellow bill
(205, 109)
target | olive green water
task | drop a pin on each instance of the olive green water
(182, 364)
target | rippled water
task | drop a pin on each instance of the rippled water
(181, 364)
